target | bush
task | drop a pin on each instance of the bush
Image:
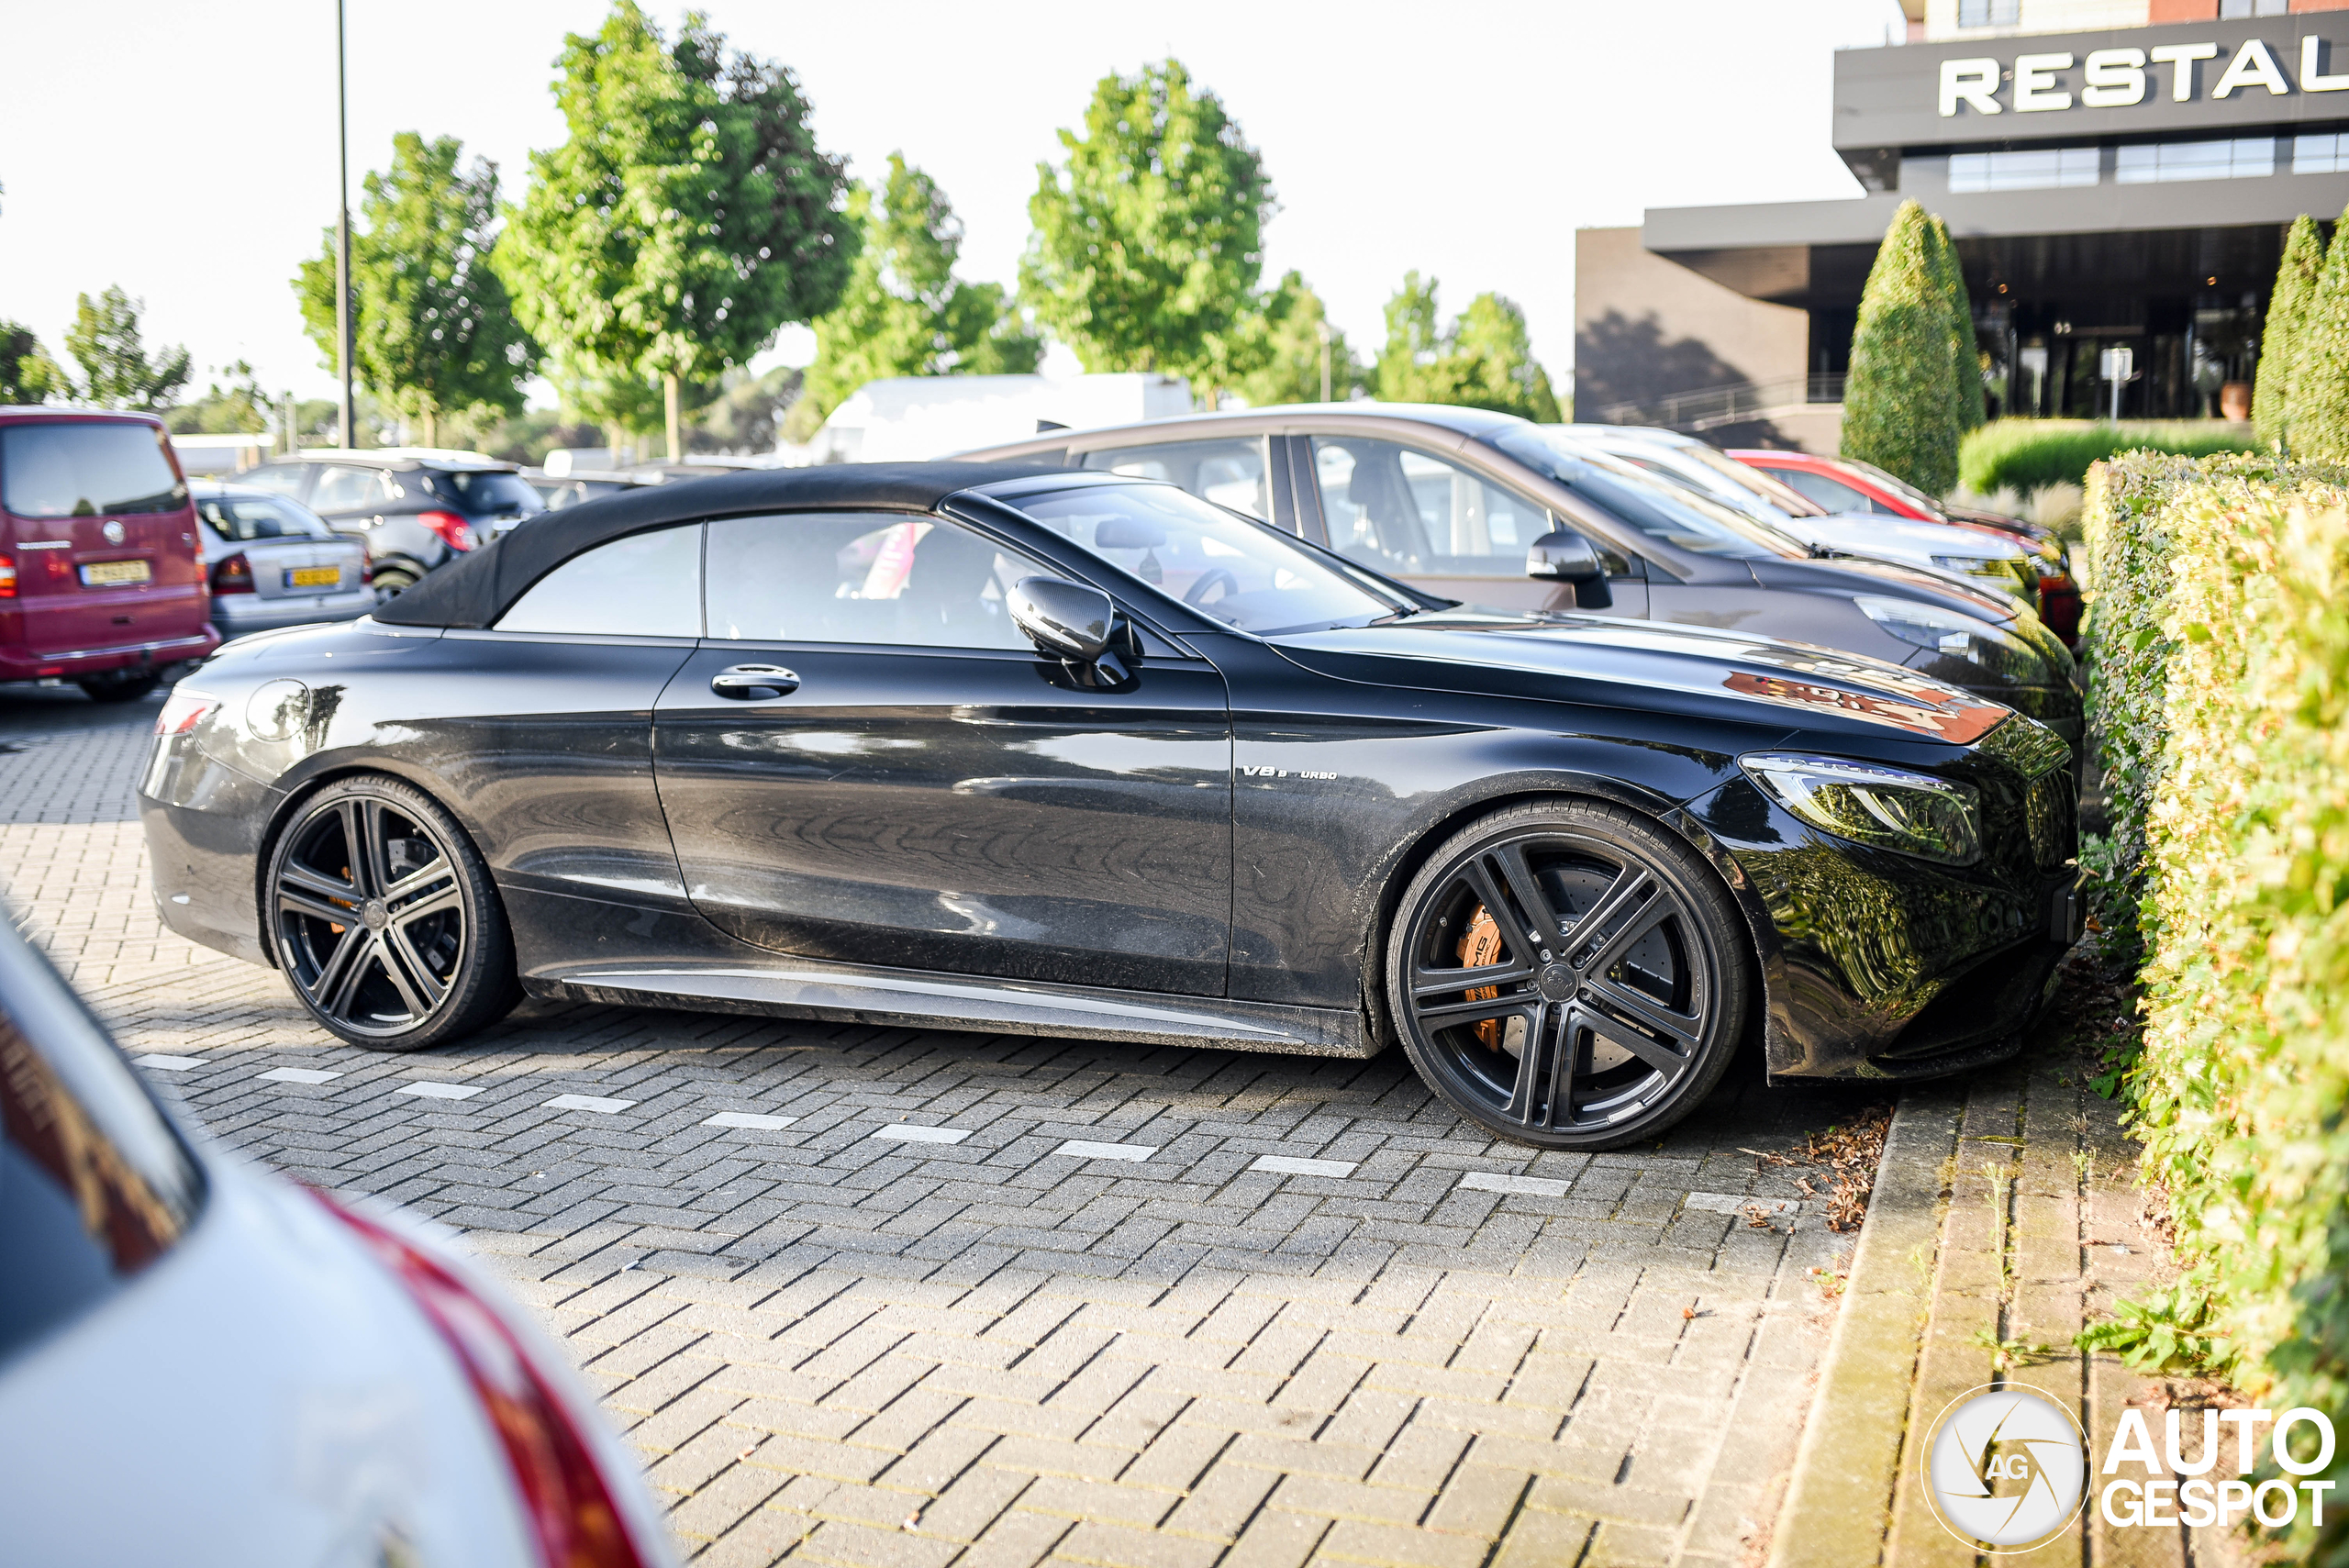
(2316, 411)
(2025, 455)
(2287, 308)
(1901, 398)
(2220, 677)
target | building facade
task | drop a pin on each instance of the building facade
(2117, 175)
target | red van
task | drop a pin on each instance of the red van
(101, 579)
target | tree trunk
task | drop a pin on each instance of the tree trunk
(432, 426)
(676, 424)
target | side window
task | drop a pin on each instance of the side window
(346, 489)
(1230, 474)
(247, 517)
(1409, 512)
(1831, 494)
(647, 585)
(868, 577)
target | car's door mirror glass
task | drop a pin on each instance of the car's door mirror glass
(646, 585)
(1066, 619)
(1563, 556)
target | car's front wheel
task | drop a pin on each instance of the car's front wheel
(1569, 974)
(383, 918)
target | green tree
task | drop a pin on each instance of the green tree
(1899, 407)
(1273, 353)
(688, 216)
(1483, 360)
(433, 332)
(116, 373)
(2280, 340)
(1147, 242)
(1965, 350)
(904, 312)
(239, 409)
(2316, 415)
(27, 373)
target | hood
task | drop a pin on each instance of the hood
(1905, 537)
(1927, 584)
(1696, 671)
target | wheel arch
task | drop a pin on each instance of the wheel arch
(1761, 948)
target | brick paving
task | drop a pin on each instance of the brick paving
(833, 1342)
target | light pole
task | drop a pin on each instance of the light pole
(347, 422)
(1322, 330)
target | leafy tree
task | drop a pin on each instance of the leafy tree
(688, 216)
(1483, 360)
(2316, 415)
(1899, 407)
(240, 408)
(1966, 351)
(116, 371)
(433, 332)
(903, 311)
(1147, 241)
(1273, 353)
(2286, 314)
(27, 373)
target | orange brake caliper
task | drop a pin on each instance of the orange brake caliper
(1482, 946)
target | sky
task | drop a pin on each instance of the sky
(188, 152)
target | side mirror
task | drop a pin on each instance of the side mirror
(1564, 557)
(1070, 622)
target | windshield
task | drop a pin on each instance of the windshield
(1899, 487)
(1666, 512)
(487, 490)
(1754, 482)
(1245, 574)
(247, 517)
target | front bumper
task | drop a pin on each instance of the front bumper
(1877, 965)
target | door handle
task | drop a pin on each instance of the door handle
(751, 682)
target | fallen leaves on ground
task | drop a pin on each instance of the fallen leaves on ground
(1845, 1157)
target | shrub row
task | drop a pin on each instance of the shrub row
(2221, 688)
(2025, 455)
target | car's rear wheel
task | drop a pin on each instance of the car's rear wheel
(391, 582)
(385, 919)
(1569, 974)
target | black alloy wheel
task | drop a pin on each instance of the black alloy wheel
(1569, 974)
(391, 582)
(384, 919)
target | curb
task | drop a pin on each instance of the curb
(1838, 1511)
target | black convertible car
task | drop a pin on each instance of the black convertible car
(1078, 753)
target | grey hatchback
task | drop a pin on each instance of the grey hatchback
(1496, 511)
(272, 562)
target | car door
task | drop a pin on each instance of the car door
(922, 790)
(1441, 527)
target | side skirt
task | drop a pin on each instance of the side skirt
(795, 987)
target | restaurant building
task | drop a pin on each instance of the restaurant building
(2117, 175)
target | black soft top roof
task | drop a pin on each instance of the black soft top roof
(477, 589)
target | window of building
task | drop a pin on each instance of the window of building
(2238, 10)
(646, 585)
(2035, 169)
(2235, 159)
(2326, 153)
(1988, 13)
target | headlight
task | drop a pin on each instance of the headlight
(1956, 635)
(1891, 808)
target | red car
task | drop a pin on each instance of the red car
(101, 579)
(1847, 486)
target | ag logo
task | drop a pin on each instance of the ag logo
(2005, 1469)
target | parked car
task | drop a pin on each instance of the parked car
(272, 562)
(418, 508)
(1079, 753)
(561, 490)
(2004, 561)
(1451, 501)
(101, 582)
(203, 1363)
(1850, 485)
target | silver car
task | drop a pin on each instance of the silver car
(272, 562)
(205, 1365)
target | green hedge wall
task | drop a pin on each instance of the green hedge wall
(2031, 454)
(2220, 692)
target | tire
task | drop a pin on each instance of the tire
(401, 945)
(1629, 1029)
(115, 688)
(391, 582)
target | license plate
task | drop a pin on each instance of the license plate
(313, 576)
(114, 573)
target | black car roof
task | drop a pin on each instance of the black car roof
(475, 590)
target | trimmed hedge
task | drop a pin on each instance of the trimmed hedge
(2220, 691)
(1901, 398)
(2024, 455)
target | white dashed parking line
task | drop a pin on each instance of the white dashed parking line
(1287, 1165)
(298, 1075)
(1536, 1186)
(922, 1134)
(431, 1090)
(1080, 1148)
(587, 1103)
(168, 1063)
(750, 1119)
